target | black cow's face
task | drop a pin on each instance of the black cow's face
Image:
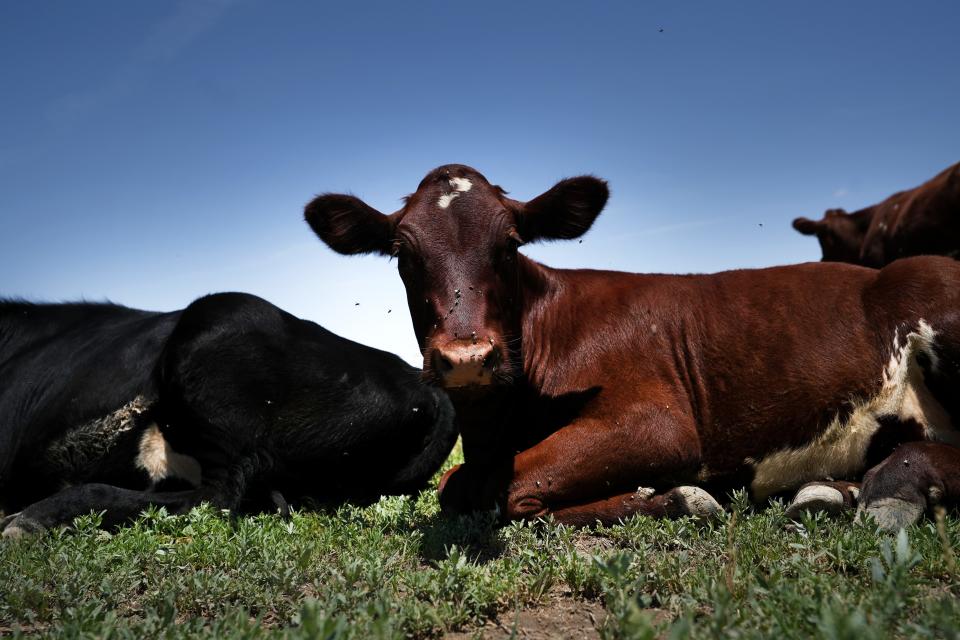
(841, 234)
(456, 241)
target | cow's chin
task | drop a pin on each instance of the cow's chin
(469, 381)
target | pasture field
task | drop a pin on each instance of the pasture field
(398, 569)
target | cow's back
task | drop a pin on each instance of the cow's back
(921, 221)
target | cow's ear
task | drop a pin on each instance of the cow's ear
(565, 211)
(806, 226)
(348, 225)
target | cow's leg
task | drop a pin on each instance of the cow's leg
(830, 497)
(588, 461)
(222, 488)
(651, 445)
(675, 503)
(119, 506)
(917, 475)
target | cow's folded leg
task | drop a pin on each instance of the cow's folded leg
(118, 506)
(831, 497)
(472, 487)
(675, 503)
(916, 476)
(223, 488)
(589, 460)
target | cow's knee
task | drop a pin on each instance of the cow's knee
(521, 506)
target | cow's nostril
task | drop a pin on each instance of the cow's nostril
(441, 362)
(492, 359)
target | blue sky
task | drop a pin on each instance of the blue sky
(154, 152)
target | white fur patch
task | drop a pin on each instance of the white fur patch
(840, 450)
(160, 461)
(460, 185)
(891, 514)
(645, 493)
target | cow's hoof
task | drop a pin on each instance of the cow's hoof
(816, 498)
(697, 502)
(283, 507)
(17, 526)
(892, 514)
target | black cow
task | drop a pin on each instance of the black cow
(231, 401)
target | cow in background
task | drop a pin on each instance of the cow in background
(924, 220)
(231, 401)
(594, 395)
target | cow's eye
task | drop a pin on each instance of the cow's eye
(408, 259)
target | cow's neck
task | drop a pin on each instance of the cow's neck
(503, 420)
(543, 320)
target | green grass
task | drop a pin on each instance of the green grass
(399, 569)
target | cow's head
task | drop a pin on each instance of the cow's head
(840, 233)
(456, 241)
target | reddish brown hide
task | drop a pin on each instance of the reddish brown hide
(924, 220)
(586, 385)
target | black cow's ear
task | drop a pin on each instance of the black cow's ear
(348, 225)
(565, 211)
(806, 226)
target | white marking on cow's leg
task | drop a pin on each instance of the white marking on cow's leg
(840, 449)
(697, 502)
(816, 498)
(934, 494)
(160, 461)
(645, 493)
(892, 514)
(18, 527)
(13, 532)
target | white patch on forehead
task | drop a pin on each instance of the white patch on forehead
(460, 185)
(446, 199)
(160, 461)
(840, 449)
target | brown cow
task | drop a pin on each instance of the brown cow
(575, 387)
(924, 220)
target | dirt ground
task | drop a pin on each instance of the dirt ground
(559, 618)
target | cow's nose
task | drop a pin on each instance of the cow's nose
(463, 363)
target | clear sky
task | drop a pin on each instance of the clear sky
(153, 152)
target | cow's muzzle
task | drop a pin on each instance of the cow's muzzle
(463, 363)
